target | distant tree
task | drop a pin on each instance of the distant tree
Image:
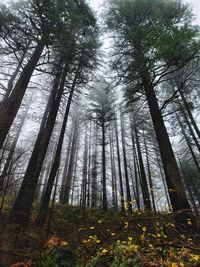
(102, 112)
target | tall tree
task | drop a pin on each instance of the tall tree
(76, 53)
(44, 22)
(149, 45)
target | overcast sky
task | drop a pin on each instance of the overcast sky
(96, 4)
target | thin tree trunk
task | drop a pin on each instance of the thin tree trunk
(15, 73)
(186, 105)
(128, 191)
(105, 205)
(66, 165)
(137, 182)
(190, 127)
(84, 174)
(119, 169)
(94, 173)
(75, 171)
(89, 167)
(163, 178)
(188, 144)
(144, 184)
(135, 166)
(188, 188)
(149, 174)
(69, 175)
(113, 172)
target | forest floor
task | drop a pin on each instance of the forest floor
(97, 239)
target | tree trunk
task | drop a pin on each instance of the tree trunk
(12, 149)
(162, 176)
(21, 210)
(66, 165)
(84, 173)
(105, 205)
(10, 107)
(188, 144)
(137, 195)
(75, 171)
(128, 192)
(94, 173)
(119, 168)
(113, 173)
(56, 163)
(194, 124)
(89, 167)
(15, 73)
(188, 188)
(149, 174)
(190, 127)
(177, 194)
(144, 184)
(69, 175)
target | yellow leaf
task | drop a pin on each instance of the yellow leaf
(158, 235)
(144, 229)
(104, 251)
(133, 246)
(98, 241)
(130, 238)
(142, 237)
(112, 234)
(195, 257)
(126, 225)
(81, 229)
(174, 264)
(92, 227)
(64, 244)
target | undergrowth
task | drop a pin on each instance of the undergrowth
(101, 239)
